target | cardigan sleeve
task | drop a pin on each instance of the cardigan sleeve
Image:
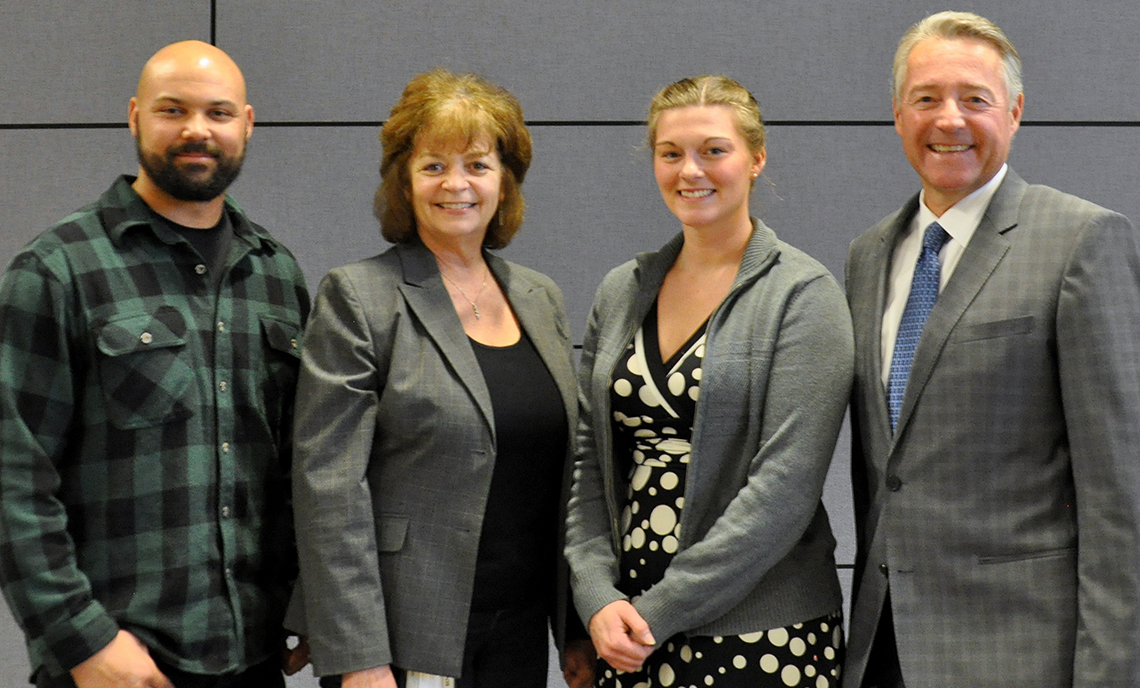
(589, 538)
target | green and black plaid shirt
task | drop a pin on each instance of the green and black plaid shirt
(142, 484)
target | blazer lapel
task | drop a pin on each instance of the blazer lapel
(428, 299)
(545, 329)
(987, 248)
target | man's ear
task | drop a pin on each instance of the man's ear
(133, 116)
(248, 121)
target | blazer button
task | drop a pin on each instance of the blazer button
(894, 483)
(884, 570)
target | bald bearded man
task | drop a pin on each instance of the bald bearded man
(150, 348)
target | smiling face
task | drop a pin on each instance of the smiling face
(955, 118)
(703, 166)
(456, 190)
(190, 121)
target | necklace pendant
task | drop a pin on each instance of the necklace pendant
(475, 308)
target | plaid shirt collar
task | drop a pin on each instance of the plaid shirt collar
(124, 210)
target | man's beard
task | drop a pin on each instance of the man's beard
(165, 171)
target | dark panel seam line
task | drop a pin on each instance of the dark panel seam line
(65, 125)
(771, 123)
(213, 22)
(567, 124)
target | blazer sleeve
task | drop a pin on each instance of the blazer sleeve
(1098, 350)
(808, 383)
(342, 374)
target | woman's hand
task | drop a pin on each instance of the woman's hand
(580, 662)
(621, 636)
(376, 677)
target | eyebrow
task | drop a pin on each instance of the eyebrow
(709, 139)
(935, 86)
(224, 102)
(470, 153)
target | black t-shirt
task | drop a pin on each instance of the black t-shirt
(518, 545)
(212, 244)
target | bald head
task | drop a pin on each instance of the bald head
(191, 61)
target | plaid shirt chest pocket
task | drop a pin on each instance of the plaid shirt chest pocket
(282, 340)
(143, 369)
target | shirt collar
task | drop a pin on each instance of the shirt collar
(962, 219)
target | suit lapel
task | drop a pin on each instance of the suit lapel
(429, 301)
(986, 249)
(868, 312)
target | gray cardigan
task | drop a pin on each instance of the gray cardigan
(756, 549)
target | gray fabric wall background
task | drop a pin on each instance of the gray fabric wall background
(323, 74)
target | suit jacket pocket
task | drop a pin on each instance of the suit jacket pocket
(391, 531)
(997, 328)
(1026, 556)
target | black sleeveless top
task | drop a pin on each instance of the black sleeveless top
(518, 545)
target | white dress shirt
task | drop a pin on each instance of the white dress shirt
(960, 221)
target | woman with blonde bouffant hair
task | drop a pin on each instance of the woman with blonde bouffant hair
(714, 378)
(434, 411)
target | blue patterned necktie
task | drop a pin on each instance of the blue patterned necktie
(923, 294)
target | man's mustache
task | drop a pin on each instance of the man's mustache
(194, 147)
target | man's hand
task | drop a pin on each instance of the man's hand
(123, 663)
(376, 677)
(580, 662)
(296, 658)
(621, 636)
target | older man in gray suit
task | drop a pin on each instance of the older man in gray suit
(996, 410)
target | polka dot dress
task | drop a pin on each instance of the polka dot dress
(653, 405)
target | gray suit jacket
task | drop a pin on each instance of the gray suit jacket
(1005, 510)
(395, 447)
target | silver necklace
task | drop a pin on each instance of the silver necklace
(473, 302)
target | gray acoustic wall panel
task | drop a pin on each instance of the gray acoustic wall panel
(47, 174)
(79, 60)
(313, 187)
(601, 60)
(1097, 163)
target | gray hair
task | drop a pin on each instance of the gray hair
(952, 25)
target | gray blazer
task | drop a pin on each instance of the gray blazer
(1004, 510)
(395, 447)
